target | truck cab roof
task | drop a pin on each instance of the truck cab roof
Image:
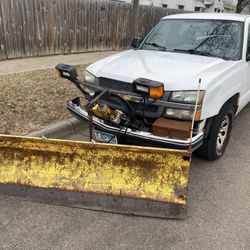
(213, 16)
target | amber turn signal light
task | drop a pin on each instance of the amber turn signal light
(156, 92)
(197, 116)
(58, 73)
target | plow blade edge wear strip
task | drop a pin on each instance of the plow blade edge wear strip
(115, 178)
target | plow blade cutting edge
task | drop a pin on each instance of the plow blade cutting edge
(115, 178)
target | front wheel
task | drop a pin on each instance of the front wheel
(216, 142)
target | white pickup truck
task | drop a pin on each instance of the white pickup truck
(147, 95)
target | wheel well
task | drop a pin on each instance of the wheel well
(234, 101)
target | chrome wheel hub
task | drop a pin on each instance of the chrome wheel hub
(223, 133)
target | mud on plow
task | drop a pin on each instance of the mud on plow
(128, 179)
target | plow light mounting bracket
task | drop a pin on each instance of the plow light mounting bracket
(66, 71)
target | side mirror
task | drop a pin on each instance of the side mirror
(136, 42)
(248, 56)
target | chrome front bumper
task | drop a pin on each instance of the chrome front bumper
(135, 136)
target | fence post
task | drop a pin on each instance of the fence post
(135, 18)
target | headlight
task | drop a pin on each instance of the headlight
(182, 114)
(188, 97)
(88, 77)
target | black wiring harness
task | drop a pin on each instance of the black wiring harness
(131, 112)
(143, 103)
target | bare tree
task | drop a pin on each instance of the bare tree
(241, 4)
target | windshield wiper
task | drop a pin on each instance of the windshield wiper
(157, 46)
(195, 52)
(201, 53)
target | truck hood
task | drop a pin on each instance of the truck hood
(178, 71)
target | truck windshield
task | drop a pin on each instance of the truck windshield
(214, 38)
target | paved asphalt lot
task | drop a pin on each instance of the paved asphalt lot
(219, 213)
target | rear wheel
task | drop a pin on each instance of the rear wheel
(216, 142)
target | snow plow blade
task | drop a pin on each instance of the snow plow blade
(115, 178)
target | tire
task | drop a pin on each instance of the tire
(215, 144)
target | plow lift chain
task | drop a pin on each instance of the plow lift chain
(90, 113)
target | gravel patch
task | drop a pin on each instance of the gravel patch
(30, 101)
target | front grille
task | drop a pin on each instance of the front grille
(147, 108)
(116, 85)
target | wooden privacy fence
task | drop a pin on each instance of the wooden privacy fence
(48, 27)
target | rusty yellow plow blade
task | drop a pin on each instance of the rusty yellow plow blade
(116, 178)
